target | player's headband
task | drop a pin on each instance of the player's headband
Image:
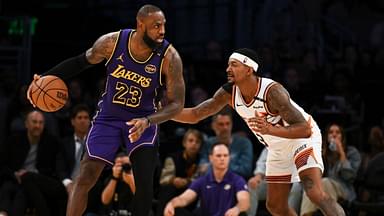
(245, 60)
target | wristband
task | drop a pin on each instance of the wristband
(114, 178)
(69, 67)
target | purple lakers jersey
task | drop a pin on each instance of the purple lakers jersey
(131, 85)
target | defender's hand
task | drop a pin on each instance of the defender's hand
(139, 125)
(35, 78)
(259, 123)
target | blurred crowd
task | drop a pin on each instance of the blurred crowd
(330, 63)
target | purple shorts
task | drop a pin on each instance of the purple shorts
(105, 138)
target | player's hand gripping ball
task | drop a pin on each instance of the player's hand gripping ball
(48, 93)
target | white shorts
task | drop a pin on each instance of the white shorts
(286, 159)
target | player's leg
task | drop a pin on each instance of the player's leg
(90, 170)
(277, 199)
(312, 184)
(100, 149)
(143, 161)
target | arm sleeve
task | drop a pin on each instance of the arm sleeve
(196, 185)
(69, 67)
(227, 87)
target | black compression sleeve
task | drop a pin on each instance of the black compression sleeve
(69, 67)
(228, 87)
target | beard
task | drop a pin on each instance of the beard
(150, 42)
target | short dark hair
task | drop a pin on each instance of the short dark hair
(79, 108)
(146, 10)
(195, 132)
(225, 111)
(217, 144)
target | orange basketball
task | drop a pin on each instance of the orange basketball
(49, 93)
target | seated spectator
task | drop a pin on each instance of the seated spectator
(220, 191)
(257, 186)
(375, 146)
(241, 148)
(179, 169)
(341, 165)
(29, 162)
(120, 188)
(369, 183)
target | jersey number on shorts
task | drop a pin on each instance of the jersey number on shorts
(127, 95)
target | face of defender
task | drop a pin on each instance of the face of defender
(237, 71)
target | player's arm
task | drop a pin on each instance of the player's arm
(102, 49)
(205, 108)
(278, 101)
(180, 201)
(175, 88)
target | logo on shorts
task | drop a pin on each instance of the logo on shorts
(150, 68)
(300, 148)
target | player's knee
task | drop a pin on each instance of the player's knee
(88, 175)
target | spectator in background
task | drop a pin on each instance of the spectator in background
(120, 188)
(341, 165)
(179, 169)
(296, 87)
(241, 148)
(29, 161)
(221, 192)
(375, 147)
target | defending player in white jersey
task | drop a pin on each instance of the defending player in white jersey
(290, 134)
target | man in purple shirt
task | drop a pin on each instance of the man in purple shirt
(221, 192)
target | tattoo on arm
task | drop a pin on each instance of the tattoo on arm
(212, 105)
(175, 87)
(102, 48)
(175, 81)
(307, 183)
(278, 101)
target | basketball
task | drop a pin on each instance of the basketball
(49, 93)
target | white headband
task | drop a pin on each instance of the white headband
(245, 60)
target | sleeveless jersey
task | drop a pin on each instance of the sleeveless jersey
(131, 85)
(259, 104)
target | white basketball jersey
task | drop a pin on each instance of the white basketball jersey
(259, 105)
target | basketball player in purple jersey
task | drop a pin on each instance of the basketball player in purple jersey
(139, 62)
